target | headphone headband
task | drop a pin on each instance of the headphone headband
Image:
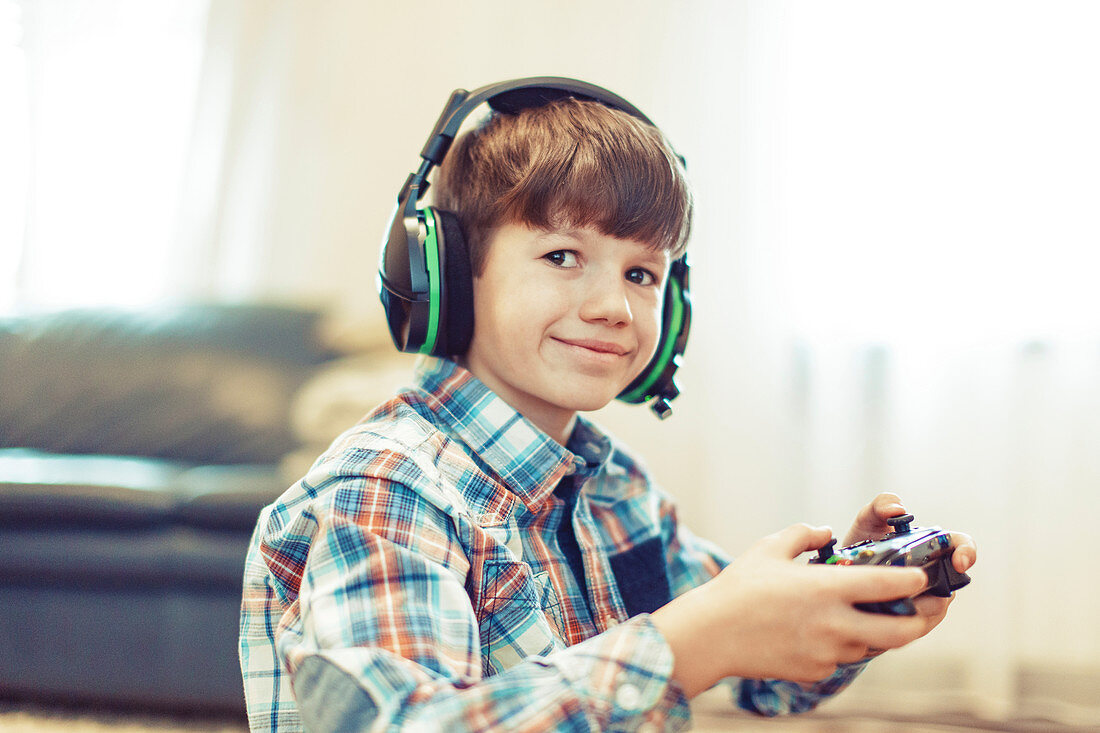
(509, 97)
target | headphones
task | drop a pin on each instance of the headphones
(424, 277)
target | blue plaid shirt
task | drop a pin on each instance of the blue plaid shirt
(413, 579)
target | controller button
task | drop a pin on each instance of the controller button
(900, 524)
(825, 552)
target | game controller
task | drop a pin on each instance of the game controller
(928, 548)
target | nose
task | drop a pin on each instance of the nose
(605, 299)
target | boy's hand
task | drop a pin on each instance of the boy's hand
(870, 524)
(766, 616)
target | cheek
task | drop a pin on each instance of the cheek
(652, 330)
(500, 315)
(527, 305)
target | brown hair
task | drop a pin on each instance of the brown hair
(570, 163)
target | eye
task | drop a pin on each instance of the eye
(641, 276)
(561, 258)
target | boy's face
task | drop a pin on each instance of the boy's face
(564, 320)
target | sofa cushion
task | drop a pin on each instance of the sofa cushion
(165, 557)
(40, 490)
(226, 497)
(199, 383)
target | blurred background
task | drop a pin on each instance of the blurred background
(894, 264)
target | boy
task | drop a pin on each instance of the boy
(474, 555)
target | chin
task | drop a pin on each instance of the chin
(586, 403)
(592, 406)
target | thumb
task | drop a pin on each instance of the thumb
(791, 542)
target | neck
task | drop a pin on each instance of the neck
(559, 432)
(551, 419)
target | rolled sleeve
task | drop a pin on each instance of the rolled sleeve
(625, 677)
(780, 697)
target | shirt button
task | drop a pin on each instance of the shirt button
(628, 697)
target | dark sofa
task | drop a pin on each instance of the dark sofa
(136, 450)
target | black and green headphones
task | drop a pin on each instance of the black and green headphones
(424, 278)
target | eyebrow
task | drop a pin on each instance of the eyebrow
(551, 234)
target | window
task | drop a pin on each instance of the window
(106, 93)
(14, 149)
(933, 184)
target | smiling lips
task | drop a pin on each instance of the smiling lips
(604, 348)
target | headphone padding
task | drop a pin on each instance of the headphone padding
(458, 287)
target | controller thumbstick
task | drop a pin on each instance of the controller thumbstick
(900, 524)
(826, 550)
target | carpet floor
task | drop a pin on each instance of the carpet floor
(25, 718)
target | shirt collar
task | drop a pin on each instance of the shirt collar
(589, 447)
(596, 455)
(528, 460)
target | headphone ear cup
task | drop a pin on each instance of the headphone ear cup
(657, 379)
(458, 288)
(408, 277)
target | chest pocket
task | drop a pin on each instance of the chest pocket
(514, 615)
(642, 576)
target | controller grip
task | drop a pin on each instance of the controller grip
(900, 607)
(943, 579)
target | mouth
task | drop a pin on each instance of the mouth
(605, 348)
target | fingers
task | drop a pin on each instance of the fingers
(871, 521)
(932, 607)
(887, 505)
(852, 653)
(791, 542)
(863, 583)
(877, 631)
(966, 552)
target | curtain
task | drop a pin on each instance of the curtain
(898, 230)
(893, 258)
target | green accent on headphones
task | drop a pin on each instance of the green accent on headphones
(656, 368)
(431, 261)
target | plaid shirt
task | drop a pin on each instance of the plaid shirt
(413, 580)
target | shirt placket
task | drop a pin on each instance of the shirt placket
(607, 607)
